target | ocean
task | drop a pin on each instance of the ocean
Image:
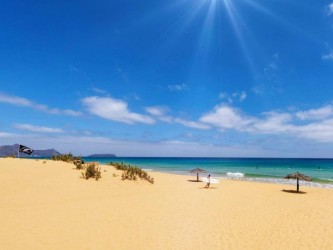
(253, 169)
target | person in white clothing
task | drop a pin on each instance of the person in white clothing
(208, 183)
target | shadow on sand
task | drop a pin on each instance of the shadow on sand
(292, 191)
(193, 181)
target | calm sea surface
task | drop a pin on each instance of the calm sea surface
(319, 169)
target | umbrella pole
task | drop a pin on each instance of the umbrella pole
(197, 177)
(297, 185)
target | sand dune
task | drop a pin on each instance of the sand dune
(48, 206)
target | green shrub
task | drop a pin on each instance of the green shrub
(131, 172)
(9, 156)
(92, 171)
(76, 160)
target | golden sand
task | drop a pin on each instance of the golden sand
(46, 205)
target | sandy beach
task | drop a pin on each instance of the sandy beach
(46, 205)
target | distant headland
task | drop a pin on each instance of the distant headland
(8, 150)
(101, 156)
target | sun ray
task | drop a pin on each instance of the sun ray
(208, 19)
(279, 20)
(208, 25)
(236, 20)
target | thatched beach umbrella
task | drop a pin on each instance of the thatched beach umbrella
(298, 176)
(198, 170)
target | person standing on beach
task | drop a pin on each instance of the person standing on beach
(208, 183)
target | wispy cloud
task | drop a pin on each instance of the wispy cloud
(192, 124)
(177, 87)
(160, 113)
(271, 70)
(258, 89)
(242, 96)
(23, 102)
(6, 135)
(122, 73)
(330, 9)
(226, 97)
(15, 100)
(157, 110)
(115, 110)
(70, 112)
(38, 129)
(268, 81)
(328, 56)
(236, 96)
(98, 90)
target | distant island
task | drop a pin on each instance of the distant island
(101, 156)
(8, 150)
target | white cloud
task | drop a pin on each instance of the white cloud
(38, 129)
(328, 57)
(192, 124)
(226, 117)
(283, 123)
(273, 123)
(115, 110)
(177, 87)
(316, 114)
(23, 102)
(319, 131)
(81, 145)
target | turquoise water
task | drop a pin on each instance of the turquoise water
(319, 169)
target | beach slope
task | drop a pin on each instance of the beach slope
(46, 205)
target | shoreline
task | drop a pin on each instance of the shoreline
(272, 180)
(266, 170)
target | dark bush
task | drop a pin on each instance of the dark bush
(76, 160)
(131, 172)
(92, 171)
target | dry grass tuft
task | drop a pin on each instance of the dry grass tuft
(92, 170)
(131, 172)
(76, 160)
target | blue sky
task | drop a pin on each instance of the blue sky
(168, 78)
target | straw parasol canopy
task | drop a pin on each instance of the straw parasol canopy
(298, 176)
(198, 170)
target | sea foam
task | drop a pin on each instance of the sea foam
(235, 175)
(285, 181)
